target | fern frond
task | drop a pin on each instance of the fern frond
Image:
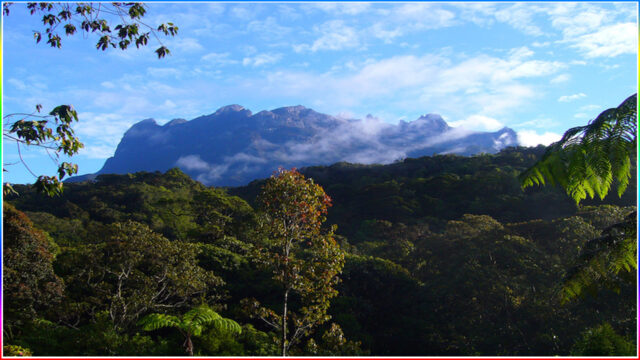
(200, 315)
(603, 258)
(587, 159)
(227, 326)
(157, 321)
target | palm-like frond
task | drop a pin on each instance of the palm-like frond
(586, 162)
(192, 322)
(587, 159)
(227, 326)
(158, 321)
(200, 315)
(603, 258)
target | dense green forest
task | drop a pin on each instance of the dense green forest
(442, 255)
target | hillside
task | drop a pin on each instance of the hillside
(445, 255)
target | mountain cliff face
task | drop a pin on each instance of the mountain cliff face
(233, 146)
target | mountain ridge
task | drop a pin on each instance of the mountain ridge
(233, 146)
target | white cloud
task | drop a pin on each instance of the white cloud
(268, 28)
(594, 30)
(335, 35)
(18, 84)
(163, 72)
(562, 78)
(480, 14)
(520, 53)
(218, 59)
(590, 107)
(483, 84)
(184, 45)
(348, 8)
(410, 18)
(479, 123)
(569, 98)
(541, 44)
(574, 20)
(97, 151)
(288, 12)
(192, 162)
(261, 59)
(242, 12)
(532, 138)
(520, 17)
(609, 41)
(431, 16)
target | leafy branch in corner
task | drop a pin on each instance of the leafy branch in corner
(53, 133)
(87, 18)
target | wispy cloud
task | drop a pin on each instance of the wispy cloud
(562, 78)
(261, 59)
(608, 41)
(214, 58)
(569, 98)
(520, 16)
(269, 28)
(336, 8)
(484, 85)
(333, 35)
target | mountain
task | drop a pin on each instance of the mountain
(234, 146)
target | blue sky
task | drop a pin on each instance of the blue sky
(539, 68)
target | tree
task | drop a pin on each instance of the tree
(304, 258)
(134, 270)
(29, 284)
(585, 162)
(53, 132)
(190, 324)
(334, 343)
(602, 341)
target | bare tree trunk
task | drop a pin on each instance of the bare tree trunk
(284, 324)
(188, 346)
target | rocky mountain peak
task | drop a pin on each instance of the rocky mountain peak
(234, 108)
(232, 147)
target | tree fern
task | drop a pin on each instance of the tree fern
(158, 321)
(603, 260)
(192, 323)
(227, 326)
(586, 162)
(587, 159)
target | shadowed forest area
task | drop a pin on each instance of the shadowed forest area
(442, 255)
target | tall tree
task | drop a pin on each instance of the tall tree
(304, 258)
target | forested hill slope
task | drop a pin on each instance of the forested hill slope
(444, 255)
(434, 189)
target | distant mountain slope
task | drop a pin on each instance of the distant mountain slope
(233, 146)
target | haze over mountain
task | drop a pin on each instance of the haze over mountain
(234, 146)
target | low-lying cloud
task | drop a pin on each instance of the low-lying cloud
(367, 141)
